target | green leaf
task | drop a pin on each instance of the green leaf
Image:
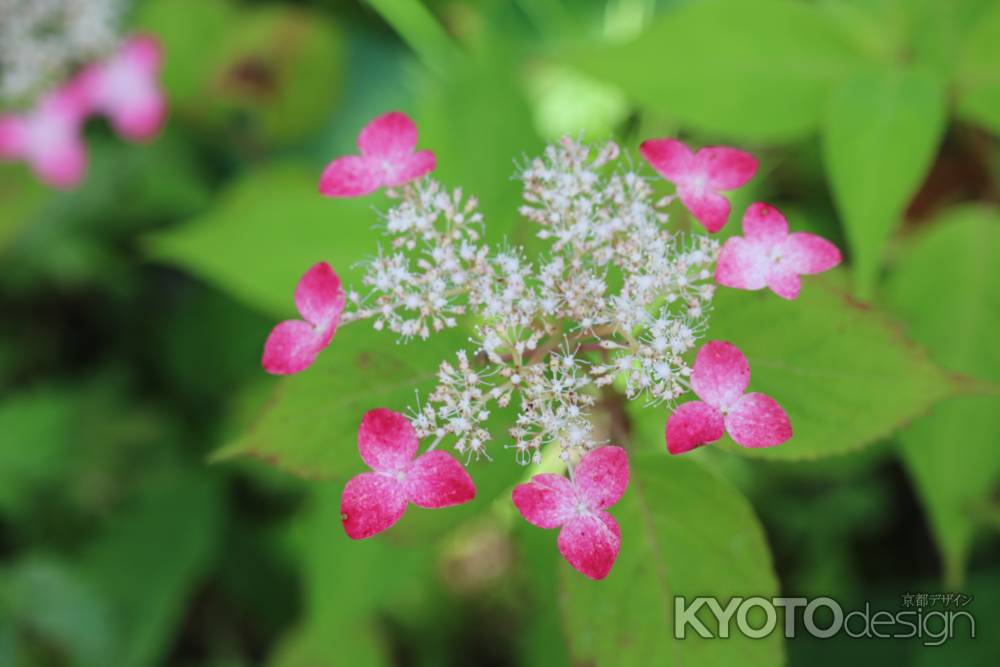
(346, 584)
(190, 31)
(48, 602)
(685, 533)
(978, 73)
(479, 125)
(879, 140)
(35, 444)
(149, 560)
(842, 370)
(758, 70)
(266, 230)
(948, 291)
(309, 424)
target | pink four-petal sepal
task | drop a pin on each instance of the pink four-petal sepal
(374, 501)
(48, 136)
(720, 377)
(701, 177)
(387, 159)
(126, 88)
(768, 256)
(293, 345)
(589, 537)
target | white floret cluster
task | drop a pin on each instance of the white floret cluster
(613, 297)
(42, 40)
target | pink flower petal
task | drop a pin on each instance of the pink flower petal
(126, 87)
(807, 253)
(707, 207)
(765, 224)
(350, 176)
(726, 168)
(601, 477)
(720, 375)
(48, 137)
(63, 164)
(319, 296)
(547, 501)
(371, 502)
(292, 347)
(784, 282)
(742, 264)
(692, 425)
(590, 543)
(758, 421)
(669, 157)
(142, 116)
(436, 479)
(390, 135)
(387, 441)
(408, 168)
(12, 137)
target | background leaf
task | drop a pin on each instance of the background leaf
(978, 72)
(879, 139)
(954, 310)
(759, 70)
(265, 231)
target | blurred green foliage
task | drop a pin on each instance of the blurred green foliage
(163, 502)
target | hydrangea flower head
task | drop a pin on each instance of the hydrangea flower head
(374, 501)
(720, 377)
(552, 338)
(768, 256)
(126, 88)
(293, 345)
(387, 159)
(700, 176)
(589, 537)
(48, 137)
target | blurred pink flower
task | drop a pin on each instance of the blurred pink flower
(589, 538)
(719, 378)
(387, 159)
(48, 137)
(126, 88)
(768, 256)
(374, 501)
(700, 176)
(293, 345)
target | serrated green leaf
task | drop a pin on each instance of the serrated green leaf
(948, 291)
(266, 231)
(841, 369)
(685, 533)
(978, 72)
(879, 140)
(309, 424)
(758, 70)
